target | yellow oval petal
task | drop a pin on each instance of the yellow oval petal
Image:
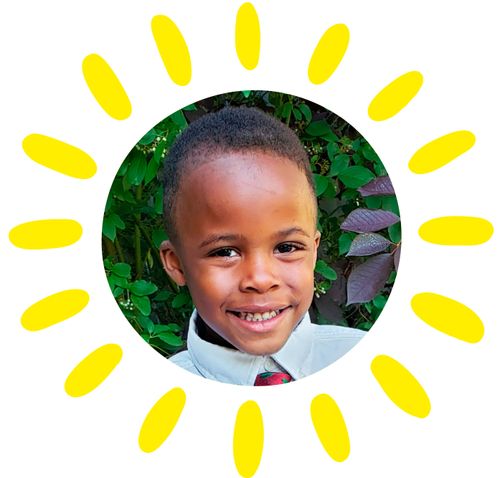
(247, 36)
(328, 53)
(93, 370)
(441, 151)
(248, 440)
(330, 427)
(448, 316)
(401, 386)
(456, 231)
(173, 49)
(395, 96)
(54, 309)
(161, 420)
(106, 87)
(46, 234)
(59, 156)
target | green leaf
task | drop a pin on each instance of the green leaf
(117, 292)
(345, 241)
(181, 299)
(158, 236)
(320, 183)
(395, 232)
(373, 202)
(356, 176)
(297, 114)
(146, 323)
(318, 128)
(137, 170)
(117, 221)
(332, 149)
(149, 137)
(306, 111)
(142, 303)
(119, 281)
(158, 201)
(287, 109)
(380, 301)
(109, 228)
(179, 119)
(246, 93)
(151, 171)
(338, 164)
(121, 269)
(369, 153)
(162, 296)
(142, 288)
(325, 270)
(170, 339)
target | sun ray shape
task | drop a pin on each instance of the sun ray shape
(248, 439)
(401, 386)
(456, 231)
(395, 96)
(328, 53)
(448, 316)
(247, 36)
(161, 420)
(54, 309)
(46, 234)
(441, 151)
(330, 427)
(93, 370)
(59, 156)
(172, 48)
(106, 87)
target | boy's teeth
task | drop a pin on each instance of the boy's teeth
(257, 317)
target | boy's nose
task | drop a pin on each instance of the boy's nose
(259, 275)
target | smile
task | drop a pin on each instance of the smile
(257, 316)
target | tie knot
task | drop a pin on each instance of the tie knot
(272, 378)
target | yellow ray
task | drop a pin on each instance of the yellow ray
(173, 49)
(248, 440)
(395, 96)
(161, 420)
(93, 370)
(456, 231)
(46, 234)
(54, 309)
(330, 427)
(106, 87)
(328, 53)
(401, 386)
(60, 156)
(448, 316)
(441, 151)
(247, 36)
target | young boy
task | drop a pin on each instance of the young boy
(240, 211)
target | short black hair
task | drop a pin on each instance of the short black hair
(231, 129)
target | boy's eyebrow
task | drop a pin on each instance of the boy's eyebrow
(214, 238)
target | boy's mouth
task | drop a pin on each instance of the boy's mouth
(258, 316)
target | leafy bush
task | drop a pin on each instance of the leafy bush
(358, 218)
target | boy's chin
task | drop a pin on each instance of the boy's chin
(261, 349)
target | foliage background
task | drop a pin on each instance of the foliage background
(356, 266)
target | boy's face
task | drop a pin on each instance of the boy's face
(247, 247)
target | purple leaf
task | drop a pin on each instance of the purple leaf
(397, 253)
(368, 244)
(369, 220)
(368, 278)
(377, 187)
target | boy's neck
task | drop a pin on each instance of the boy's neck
(209, 335)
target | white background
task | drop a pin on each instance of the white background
(44, 432)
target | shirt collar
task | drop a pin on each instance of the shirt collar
(232, 366)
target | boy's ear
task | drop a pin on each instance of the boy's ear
(317, 238)
(172, 263)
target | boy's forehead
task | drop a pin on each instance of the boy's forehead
(249, 182)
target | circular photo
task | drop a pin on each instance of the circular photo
(252, 237)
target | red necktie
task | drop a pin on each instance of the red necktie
(272, 378)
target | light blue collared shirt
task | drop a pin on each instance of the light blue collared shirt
(309, 348)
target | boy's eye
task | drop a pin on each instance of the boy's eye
(225, 252)
(286, 248)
